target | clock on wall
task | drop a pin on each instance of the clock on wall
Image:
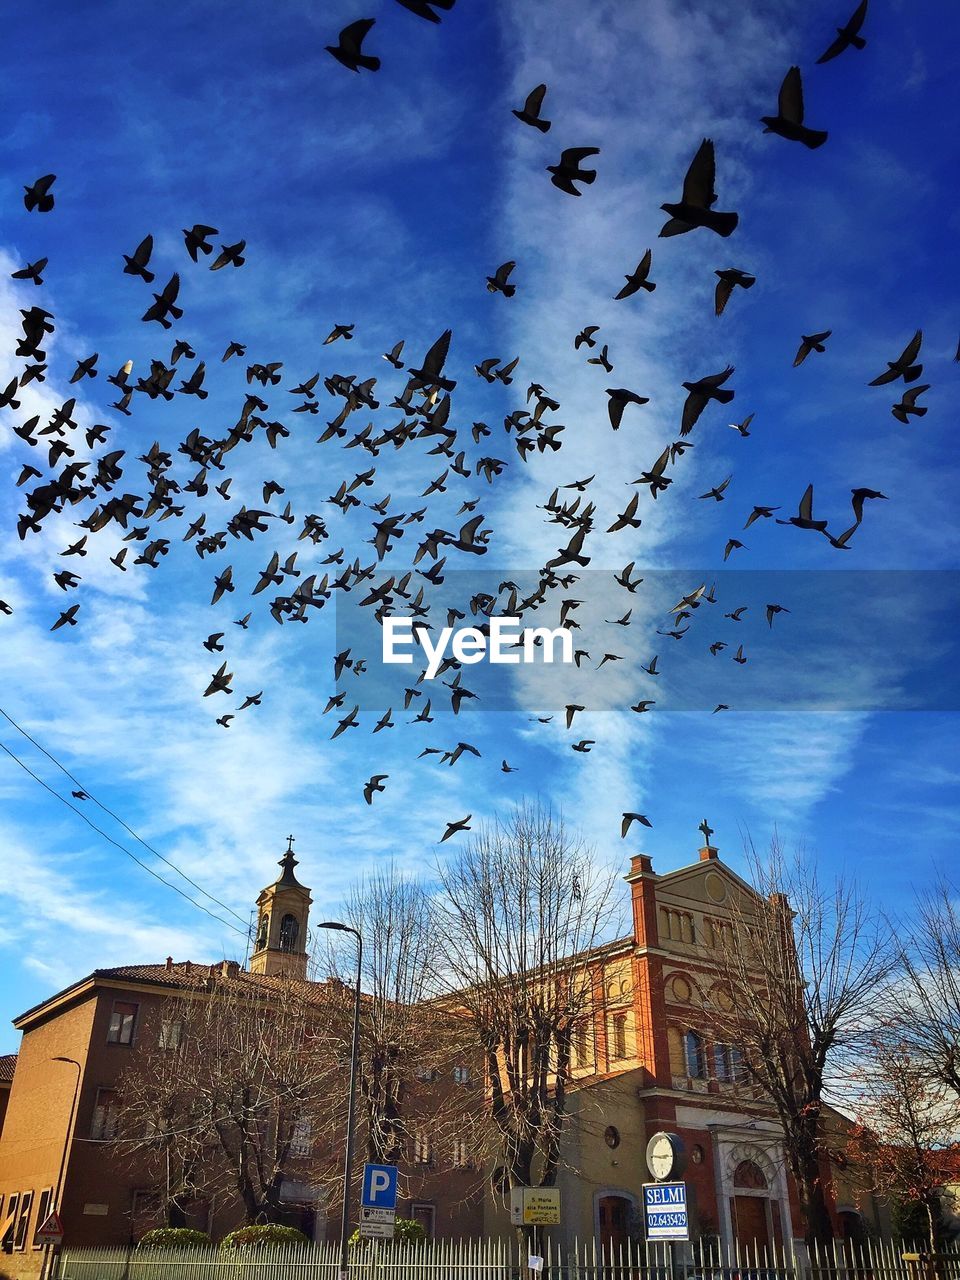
(666, 1156)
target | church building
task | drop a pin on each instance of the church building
(644, 1062)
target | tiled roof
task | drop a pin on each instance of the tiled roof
(8, 1062)
(187, 975)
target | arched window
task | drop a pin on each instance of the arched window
(263, 932)
(694, 1057)
(749, 1175)
(289, 932)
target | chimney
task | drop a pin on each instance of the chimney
(169, 963)
(229, 968)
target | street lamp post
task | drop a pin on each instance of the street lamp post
(55, 1202)
(352, 1101)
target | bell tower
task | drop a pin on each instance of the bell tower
(283, 909)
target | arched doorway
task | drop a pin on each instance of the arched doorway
(613, 1222)
(752, 1217)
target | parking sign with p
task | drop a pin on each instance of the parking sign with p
(379, 1186)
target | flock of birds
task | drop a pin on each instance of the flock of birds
(69, 468)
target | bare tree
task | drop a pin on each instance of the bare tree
(907, 1132)
(803, 964)
(927, 1004)
(410, 1044)
(228, 1088)
(518, 912)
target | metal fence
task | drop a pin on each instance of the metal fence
(504, 1260)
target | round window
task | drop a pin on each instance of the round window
(611, 1136)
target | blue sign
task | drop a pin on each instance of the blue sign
(379, 1186)
(665, 1205)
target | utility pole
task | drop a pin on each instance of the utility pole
(351, 1103)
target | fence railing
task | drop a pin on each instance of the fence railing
(504, 1260)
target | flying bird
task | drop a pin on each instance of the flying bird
(908, 403)
(903, 367)
(32, 271)
(348, 51)
(695, 207)
(788, 122)
(811, 342)
(847, 35)
(619, 398)
(425, 8)
(569, 169)
(373, 785)
(727, 280)
(219, 681)
(530, 112)
(638, 279)
(38, 196)
(700, 393)
(67, 618)
(454, 827)
(804, 517)
(497, 283)
(196, 239)
(136, 262)
(629, 819)
(230, 254)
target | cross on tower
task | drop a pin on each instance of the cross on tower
(289, 844)
(707, 831)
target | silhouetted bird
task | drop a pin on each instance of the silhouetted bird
(530, 112)
(848, 35)
(638, 279)
(37, 195)
(568, 171)
(348, 50)
(136, 263)
(695, 208)
(788, 122)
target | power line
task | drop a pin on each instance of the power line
(90, 796)
(140, 863)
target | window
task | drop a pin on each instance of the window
(103, 1125)
(422, 1147)
(122, 1021)
(693, 1055)
(580, 1044)
(619, 1035)
(13, 1204)
(263, 931)
(425, 1214)
(461, 1154)
(425, 1074)
(43, 1212)
(749, 1175)
(301, 1143)
(611, 1136)
(678, 926)
(722, 1065)
(461, 1075)
(170, 1034)
(23, 1219)
(289, 932)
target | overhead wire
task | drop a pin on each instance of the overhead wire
(139, 861)
(99, 803)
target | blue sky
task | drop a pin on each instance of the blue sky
(385, 201)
